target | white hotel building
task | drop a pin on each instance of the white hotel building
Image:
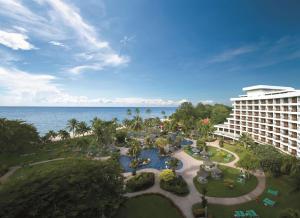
(270, 114)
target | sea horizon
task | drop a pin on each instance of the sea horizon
(46, 118)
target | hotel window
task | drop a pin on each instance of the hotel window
(270, 101)
(277, 101)
(294, 100)
(285, 100)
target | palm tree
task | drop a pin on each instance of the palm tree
(137, 123)
(246, 140)
(64, 135)
(173, 163)
(164, 114)
(72, 124)
(52, 134)
(148, 111)
(137, 111)
(82, 128)
(129, 113)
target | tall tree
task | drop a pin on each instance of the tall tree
(17, 136)
(82, 128)
(129, 112)
(63, 134)
(72, 124)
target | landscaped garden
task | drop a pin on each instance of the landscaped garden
(148, 206)
(287, 198)
(229, 185)
(215, 154)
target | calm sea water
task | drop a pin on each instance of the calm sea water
(55, 118)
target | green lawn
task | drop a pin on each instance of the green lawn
(216, 188)
(285, 200)
(239, 150)
(217, 155)
(148, 206)
(46, 152)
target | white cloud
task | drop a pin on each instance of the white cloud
(15, 41)
(23, 88)
(58, 44)
(101, 53)
(232, 53)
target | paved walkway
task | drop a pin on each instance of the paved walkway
(189, 171)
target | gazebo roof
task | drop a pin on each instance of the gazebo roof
(216, 170)
(202, 173)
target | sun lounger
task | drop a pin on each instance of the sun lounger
(251, 213)
(268, 202)
(239, 214)
(272, 192)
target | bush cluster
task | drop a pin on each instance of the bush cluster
(140, 182)
(178, 186)
(198, 210)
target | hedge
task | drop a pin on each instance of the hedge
(140, 182)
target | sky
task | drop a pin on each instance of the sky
(144, 52)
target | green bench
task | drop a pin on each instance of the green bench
(272, 192)
(268, 202)
(247, 213)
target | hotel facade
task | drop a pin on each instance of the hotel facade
(269, 114)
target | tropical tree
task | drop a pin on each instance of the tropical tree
(137, 111)
(206, 128)
(129, 112)
(16, 136)
(148, 111)
(246, 140)
(135, 149)
(72, 124)
(249, 162)
(173, 163)
(163, 113)
(161, 143)
(82, 128)
(50, 135)
(104, 131)
(63, 134)
(221, 142)
(137, 123)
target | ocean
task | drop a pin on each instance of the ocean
(55, 118)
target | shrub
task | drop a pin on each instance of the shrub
(178, 186)
(140, 182)
(198, 210)
(221, 143)
(167, 175)
(121, 137)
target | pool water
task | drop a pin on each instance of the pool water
(186, 142)
(157, 161)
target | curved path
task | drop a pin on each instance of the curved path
(189, 171)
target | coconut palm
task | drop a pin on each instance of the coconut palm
(173, 163)
(246, 140)
(148, 111)
(72, 124)
(137, 111)
(129, 112)
(63, 134)
(51, 134)
(82, 128)
(137, 123)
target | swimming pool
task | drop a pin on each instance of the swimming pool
(186, 142)
(157, 161)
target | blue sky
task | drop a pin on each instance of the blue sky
(144, 53)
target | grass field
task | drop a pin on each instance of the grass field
(285, 200)
(148, 206)
(217, 155)
(239, 150)
(216, 188)
(46, 152)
